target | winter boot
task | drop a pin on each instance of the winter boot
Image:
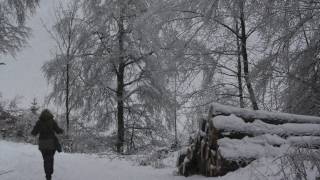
(48, 177)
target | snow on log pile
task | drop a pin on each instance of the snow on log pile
(231, 137)
(268, 117)
(234, 124)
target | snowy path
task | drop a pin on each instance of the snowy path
(24, 162)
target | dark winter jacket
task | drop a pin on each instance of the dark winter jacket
(47, 128)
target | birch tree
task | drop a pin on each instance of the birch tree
(69, 34)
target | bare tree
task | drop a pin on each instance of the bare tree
(116, 76)
(218, 21)
(68, 33)
(290, 67)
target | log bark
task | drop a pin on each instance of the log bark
(203, 156)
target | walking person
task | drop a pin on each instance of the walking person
(46, 126)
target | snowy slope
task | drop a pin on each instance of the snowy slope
(23, 162)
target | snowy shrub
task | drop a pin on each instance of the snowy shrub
(158, 164)
(155, 159)
(16, 125)
(86, 143)
(24, 125)
(298, 163)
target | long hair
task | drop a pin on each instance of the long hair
(46, 115)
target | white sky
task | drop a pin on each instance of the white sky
(22, 75)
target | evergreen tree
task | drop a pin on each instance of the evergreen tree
(34, 106)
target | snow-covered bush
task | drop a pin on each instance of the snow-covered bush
(299, 163)
(24, 125)
(155, 159)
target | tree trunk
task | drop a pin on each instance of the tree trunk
(239, 68)
(67, 97)
(131, 143)
(68, 75)
(120, 80)
(175, 109)
(120, 108)
(243, 38)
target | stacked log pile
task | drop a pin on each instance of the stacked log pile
(226, 124)
(203, 155)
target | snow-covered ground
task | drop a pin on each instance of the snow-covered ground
(24, 162)
(20, 161)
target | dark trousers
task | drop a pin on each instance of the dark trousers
(48, 160)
